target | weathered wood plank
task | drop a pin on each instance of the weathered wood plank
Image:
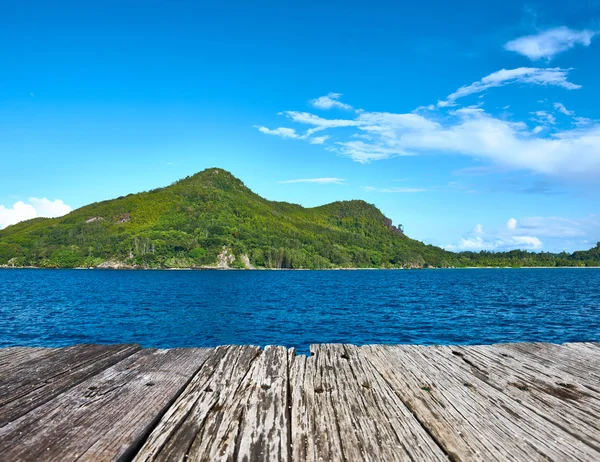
(107, 416)
(594, 345)
(12, 356)
(586, 349)
(234, 409)
(467, 416)
(554, 395)
(28, 384)
(342, 409)
(586, 367)
(262, 402)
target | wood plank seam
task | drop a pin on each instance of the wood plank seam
(581, 437)
(33, 387)
(291, 357)
(452, 457)
(132, 451)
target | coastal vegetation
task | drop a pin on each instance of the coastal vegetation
(212, 219)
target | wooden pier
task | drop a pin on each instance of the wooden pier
(506, 402)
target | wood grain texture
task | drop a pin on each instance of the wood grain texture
(342, 409)
(10, 357)
(108, 415)
(39, 375)
(470, 418)
(234, 409)
(583, 365)
(556, 396)
(505, 402)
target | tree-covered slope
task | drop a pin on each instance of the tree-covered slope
(212, 217)
(189, 224)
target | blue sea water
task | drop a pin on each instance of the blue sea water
(296, 308)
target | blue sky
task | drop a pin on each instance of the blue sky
(474, 124)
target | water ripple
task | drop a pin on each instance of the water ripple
(208, 308)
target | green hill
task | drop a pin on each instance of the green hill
(191, 222)
(212, 219)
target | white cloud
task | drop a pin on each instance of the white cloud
(394, 190)
(467, 131)
(531, 242)
(283, 132)
(318, 123)
(318, 139)
(544, 117)
(558, 234)
(36, 207)
(582, 121)
(561, 108)
(315, 180)
(547, 44)
(330, 101)
(527, 75)
(494, 243)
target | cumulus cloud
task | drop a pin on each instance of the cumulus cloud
(549, 43)
(36, 207)
(315, 180)
(511, 237)
(479, 243)
(330, 101)
(526, 75)
(534, 233)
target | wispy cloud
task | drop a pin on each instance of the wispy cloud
(469, 131)
(561, 108)
(315, 180)
(394, 190)
(549, 43)
(330, 101)
(543, 117)
(527, 75)
(283, 132)
(35, 207)
(318, 139)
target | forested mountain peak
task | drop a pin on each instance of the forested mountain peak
(211, 219)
